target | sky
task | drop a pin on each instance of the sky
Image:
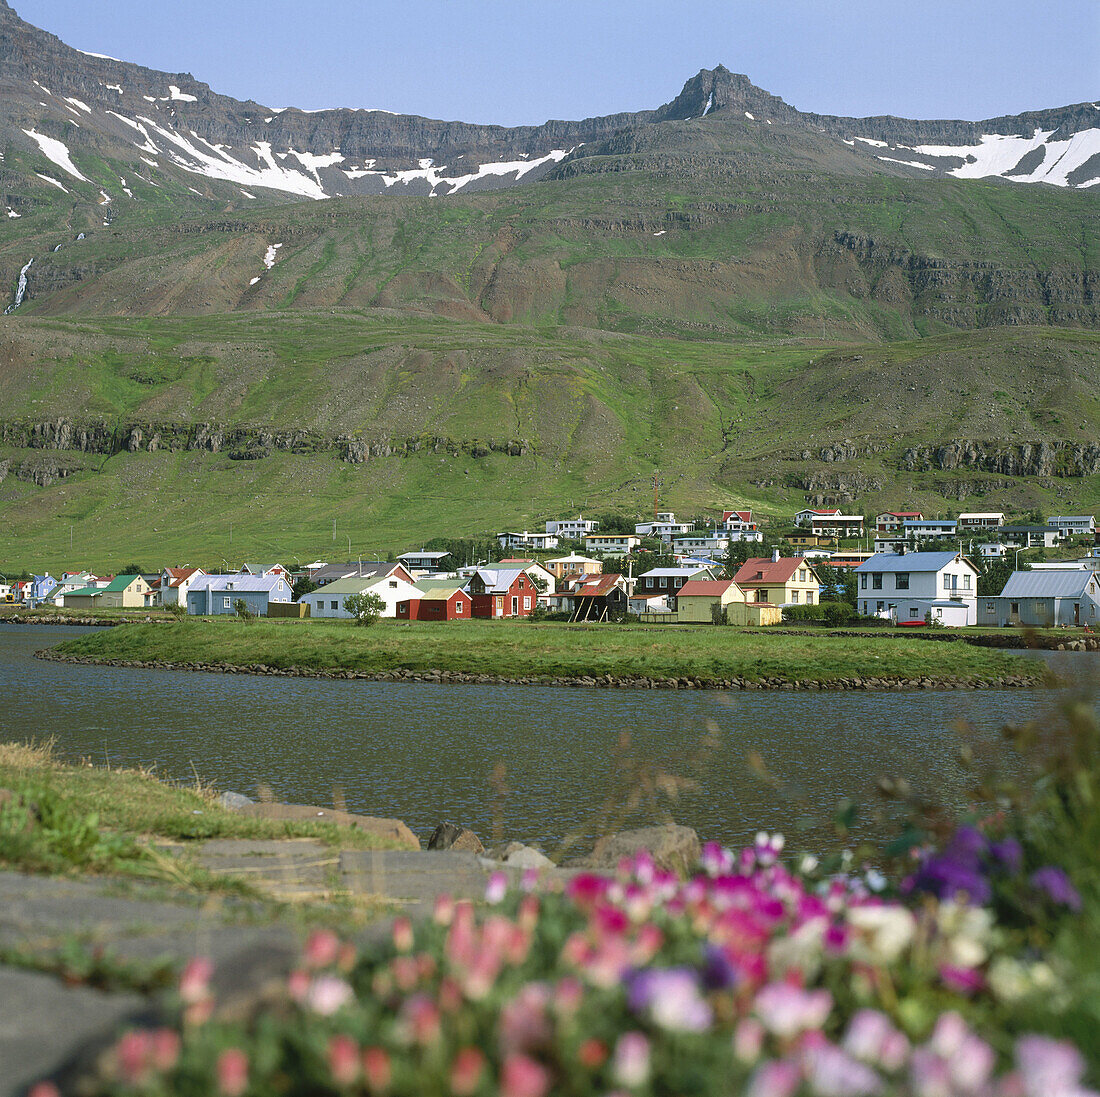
(515, 62)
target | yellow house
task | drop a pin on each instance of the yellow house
(124, 592)
(698, 599)
(782, 580)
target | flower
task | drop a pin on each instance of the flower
(195, 979)
(327, 994)
(523, 1077)
(1050, 1068)
(631, 1063)
(377, 1069)
(523, 1024)
(132, 1056)
(592, 1053)
(872, 1037)
(775, 1079)
(232, 1072)
(43, 1089)
(832, 1073)
(496, 888)
(164, 1049)
(466, 1071)
(671, 998)
(885, 931)
(1008, 854)
(787, 1010)
(1055, 883)
(343, 1059)
(748, 1039)
(402, 934)
(322, 948)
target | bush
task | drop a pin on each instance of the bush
(804, 613)
(365, 608)
(838, 613)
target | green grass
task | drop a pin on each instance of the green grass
(525, 649)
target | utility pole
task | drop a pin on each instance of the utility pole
(334, 529)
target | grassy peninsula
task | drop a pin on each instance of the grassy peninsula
(550, 650)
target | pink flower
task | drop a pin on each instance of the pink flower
(343, 1059)
(322, 948)
(297, 985)
(327, 994)
(832, 1073)
(523, 1077)
(872, 1038)
(164, 1049)
(963, 980)
(444, 910)
(1049, 1068)
(788, 1010)
(232, 1072)
(419, 1020)
(402, 934)
(132, 1054)
(631, 1065)
(195, 980)
(496, 888)
(748, 1040)
(776, 1078)
(585, 890)
(523, 1024)
(377, 1069)
(43, 1089)
(466, 1072)
(567, 996)
(716, 861)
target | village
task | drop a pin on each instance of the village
(908, 571)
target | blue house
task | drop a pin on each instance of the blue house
(40, 587)
(219, 594)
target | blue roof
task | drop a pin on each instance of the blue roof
(1048, 584)
(239, 581)
(909, 561)
(930, 522)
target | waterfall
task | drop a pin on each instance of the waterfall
(20, 289)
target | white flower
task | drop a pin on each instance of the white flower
(885, 932)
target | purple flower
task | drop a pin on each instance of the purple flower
(1050, 1068)
(718, 972)
(1008, 854)
(1055, 883)
(671, 999)
(950, 877)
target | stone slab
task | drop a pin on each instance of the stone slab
(393, 830)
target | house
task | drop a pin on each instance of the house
(218, 595)
(533, 542)
(543, 576)
(994, 551)
(692, 543)
(839, 526)
(650, 603)
(567, 565)
(699, 600)
(666, 582)
(980, 520)
(123, 592)
(363, 569)
(926, 611)
(502, 592)
(611, 544)
(801, 538)
(279, 571)
(893, 520)
(740, 526)
(423, 563)
(928, 529)
(780, 580)
(328, 601)
(1029, 536)
(1045, 599)
(1074, 525)
(69, 582)
(910, 582)
(572, 529)
(175, 583)
(664, 527)
(805, 517)
(436, 602)
(601, 598)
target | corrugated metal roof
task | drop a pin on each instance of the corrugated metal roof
(763, 569)
(1047, 584)
(705, 587)
(239, 581)
(671, 573)
(909, 561)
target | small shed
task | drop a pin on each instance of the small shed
(437, 604)
(700, 600)
(913, 612)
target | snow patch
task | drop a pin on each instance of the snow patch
(750, 117)
(77, 103)
(247, 195)
(113, 87)
(101, 56)
(105, 198)
(661, 233)
(710, 105)
(49, 179)
(311, 163)
(253, 281)
(872, 141)
(907, 163)
(56, 152)
(179, 96)
(151, 163)
(12, 213)
(269, 255)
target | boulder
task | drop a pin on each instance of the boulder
(392, 830)
(672, 847)
(234, 801)
(452, 836)
(517, 855)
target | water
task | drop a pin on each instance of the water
(426, 753)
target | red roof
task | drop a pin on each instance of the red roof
(762, 569)
(598, 587)
(744, 515)
(709, 587)
(906, 514)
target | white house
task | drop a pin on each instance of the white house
(423, 563)
(837, 525)
(1073, 525)
(805, 517)
(328, 601)
(535, 542)
(1046, 599)
(891, 521)
(909, 583)
(928, 529)
(664, 526)
(1029, 536)
(694, 543)
(176, 582)
(611, 544)
(740, 525)
(979, 520)
(572, 529)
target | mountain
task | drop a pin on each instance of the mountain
(227, 317)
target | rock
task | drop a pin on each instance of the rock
(672, 847)
(391, 829)
(452, 836)
(234, 801)
(527, 857)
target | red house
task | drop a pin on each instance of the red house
(502, 592)
(439, 604)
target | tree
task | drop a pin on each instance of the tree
(303, 585)
(839, 583)
(178, 610)
(994, 573)
(365, 608)
(133, 569)
(240, 607)
(737, 554)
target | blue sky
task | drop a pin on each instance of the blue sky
(524, 61)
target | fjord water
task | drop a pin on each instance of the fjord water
(425, 753)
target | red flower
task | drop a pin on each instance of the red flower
(466, 1071)
(523, 1077)
(232, 1071)
(343, 1060)
(592, 1054)
(377, 1069)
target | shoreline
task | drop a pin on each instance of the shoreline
(882, 683)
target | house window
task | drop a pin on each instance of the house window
(335, 605)
(879, 607)
(458, 607)
(966, 581)
(649, 584)
(225, 603)
(947, 582)
(794, 596)
(761, 595)
(863, 582)
(1014, 608)
(989, 608)
(802, 576)
(809, 597)
(876, 580)
(527, 601)
(913, 612)
(901, 580)
(515, 605)
(393, 584)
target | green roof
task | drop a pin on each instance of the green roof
(121, 582)
(428, 585)
(83, 592)
(354, 584)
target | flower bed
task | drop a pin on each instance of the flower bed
(753, 976)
